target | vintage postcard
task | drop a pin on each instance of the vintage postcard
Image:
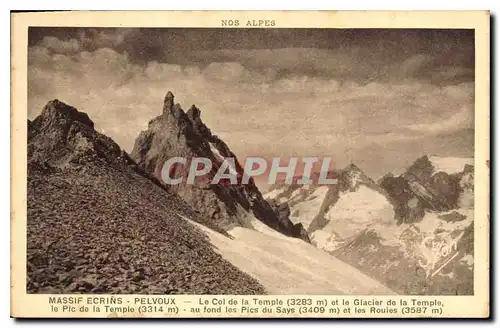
(250, 164)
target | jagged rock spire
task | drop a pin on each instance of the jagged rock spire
(193, 113)
(168, 103)
(170, 108)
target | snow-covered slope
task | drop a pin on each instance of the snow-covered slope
(433, 256)
(328, 212)
(353, 213)
(306, 210)
(285, 265)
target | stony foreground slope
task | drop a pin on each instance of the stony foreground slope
(97, 223)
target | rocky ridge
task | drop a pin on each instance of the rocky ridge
(426, 187)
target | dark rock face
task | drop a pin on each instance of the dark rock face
(421, 188)
(452, 217)
(438, 189)
(409, 208)
(97, 223)
(351, 177)
(179, 134)
(301, 232)
(283, 212)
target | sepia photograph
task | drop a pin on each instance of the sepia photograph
(253, 159)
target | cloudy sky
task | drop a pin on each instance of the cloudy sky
(378, 98)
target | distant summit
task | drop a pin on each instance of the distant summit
(432, 183)
(310, 204)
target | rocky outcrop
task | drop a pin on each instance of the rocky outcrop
(61, 135)
(439, 190)
(176, 133)
(283, 212)
(452, 217)
(427, 186)
(409, 208)
(96, 223)
(466, 185)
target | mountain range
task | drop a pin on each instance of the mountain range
(412, 232)
(102, 221)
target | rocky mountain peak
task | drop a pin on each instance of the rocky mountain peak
(352, 176)
(171, 109)
(57, 112)
(421, 168)
(180, 134)
(187, 124)
(430, 183)
(62, 136)
(468, 168)
(352, 168)
(168, 102)
(194, 113)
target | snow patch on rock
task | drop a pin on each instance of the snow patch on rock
(305, 211)
(326, 240)
(431, 240)
(274, 193)
(355, 211)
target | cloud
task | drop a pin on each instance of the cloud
(103, 38)
(59, 46)
(250, 102)
(463, 119)
(295, 61)
(414, 65)
(360, 64)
